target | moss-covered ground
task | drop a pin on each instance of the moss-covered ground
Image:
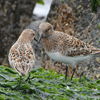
(46, 85)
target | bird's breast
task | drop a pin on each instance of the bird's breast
(67, 59)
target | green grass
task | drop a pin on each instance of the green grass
(46, 85)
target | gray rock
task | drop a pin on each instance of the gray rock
(85, 28)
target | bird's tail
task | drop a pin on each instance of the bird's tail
(20, 71)
(96, 52)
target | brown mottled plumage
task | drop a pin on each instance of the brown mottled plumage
(21, 55)
(64, 48)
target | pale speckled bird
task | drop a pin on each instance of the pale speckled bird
(64, 48)
(21, 55)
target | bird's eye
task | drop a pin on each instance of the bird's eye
(47, 29)
(33, 34)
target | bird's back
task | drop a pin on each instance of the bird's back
(64, 48)
(22, 58)
(68, 45)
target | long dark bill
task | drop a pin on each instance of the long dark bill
(40, 38)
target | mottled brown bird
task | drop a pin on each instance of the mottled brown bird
(21, 55)
(64, 48)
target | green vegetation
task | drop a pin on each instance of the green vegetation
(46, 85)
(99, 25)
(40, 2)
(98, 2)
(95, 3)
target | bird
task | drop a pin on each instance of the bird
(65, 48)
(21, 55)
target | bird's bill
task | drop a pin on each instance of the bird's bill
(35, 39)
(41, 35)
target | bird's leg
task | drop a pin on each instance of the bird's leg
(73, 72)
(82, 74)
(28, 78)
(66, 72)
(20, 80)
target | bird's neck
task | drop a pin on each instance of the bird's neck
(47, 42)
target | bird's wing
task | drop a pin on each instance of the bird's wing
(22, 58)
(71, 46)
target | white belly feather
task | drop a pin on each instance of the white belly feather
(68, 60)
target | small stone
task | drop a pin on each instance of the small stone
(98, 75)
(98, 60)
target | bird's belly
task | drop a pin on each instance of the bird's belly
(67, 59)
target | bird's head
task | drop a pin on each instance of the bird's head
(45, 30)
(27, 35)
